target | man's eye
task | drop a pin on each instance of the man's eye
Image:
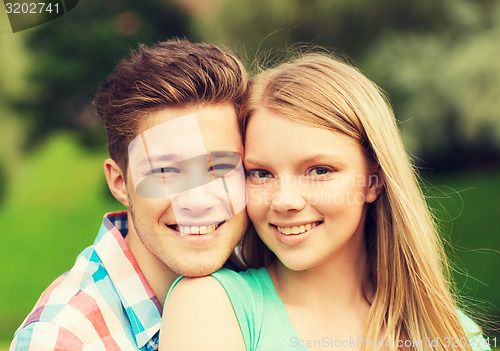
(259, 174)
(320, 171)
(222, 169)
(167, 170)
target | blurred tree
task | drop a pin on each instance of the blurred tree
(445, 86)
(351, 25)
(14, 60)
(435, 59)
(76, 52)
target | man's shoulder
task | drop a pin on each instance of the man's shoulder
(73, 303)
(88, 280)
(103, 302)
(64, 289)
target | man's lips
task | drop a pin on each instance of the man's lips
(195, 229)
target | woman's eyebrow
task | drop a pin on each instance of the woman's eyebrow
(248, 160)
(322, 157)
(310, 159)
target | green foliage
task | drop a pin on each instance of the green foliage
(14, 63)
(76, 52)
(349, 25)
(445, 86)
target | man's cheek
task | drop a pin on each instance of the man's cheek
(235, 184)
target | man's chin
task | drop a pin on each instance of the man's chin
(199, 270)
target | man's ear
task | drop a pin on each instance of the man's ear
(376, 182)
(116, 181)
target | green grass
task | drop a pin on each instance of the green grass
(52, 211)
(54, 207)
(468, 210)
(4, 345)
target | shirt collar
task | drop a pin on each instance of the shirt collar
(138, 299)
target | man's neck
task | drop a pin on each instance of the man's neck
(158, 275)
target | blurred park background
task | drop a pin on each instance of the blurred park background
(437, 60)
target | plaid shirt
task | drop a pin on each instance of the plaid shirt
(103, 303)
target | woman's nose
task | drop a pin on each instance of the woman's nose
(287, 197)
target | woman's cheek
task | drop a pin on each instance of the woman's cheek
(259, 199)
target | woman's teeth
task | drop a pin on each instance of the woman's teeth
(192, 229)
(298, 229)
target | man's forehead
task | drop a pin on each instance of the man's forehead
(214, 125)
(206, 113)
(161, 115)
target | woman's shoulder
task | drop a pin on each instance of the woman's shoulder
(224, 277)
(473, 333)
(201, 304)
(240, 287)
(252, 278)
(244, 274)
(210, 304)
(199, 296)
(246, 289)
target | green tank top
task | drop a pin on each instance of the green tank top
(265, 325)
(261, 314)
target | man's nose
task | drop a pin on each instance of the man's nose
(201, 201)
(198, 199)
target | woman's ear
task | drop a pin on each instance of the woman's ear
(116, 181)
(376, 182)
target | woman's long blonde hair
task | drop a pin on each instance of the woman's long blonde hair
(407, 266)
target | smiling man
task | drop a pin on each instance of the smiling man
(175, 163)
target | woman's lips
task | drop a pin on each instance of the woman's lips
(297, 229)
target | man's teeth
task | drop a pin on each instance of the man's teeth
(192, 229)
(298, 229)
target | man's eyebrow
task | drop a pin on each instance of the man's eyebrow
(175, 158)
(152, 160)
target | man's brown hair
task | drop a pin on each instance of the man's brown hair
(172, 73)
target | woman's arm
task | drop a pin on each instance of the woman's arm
(198, 315)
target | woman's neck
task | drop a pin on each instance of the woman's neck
(339, 283)
(327, 300)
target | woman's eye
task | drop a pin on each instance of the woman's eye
(320, 171)
(221, 170)
(259, 174)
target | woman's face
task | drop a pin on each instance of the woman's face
(307, 191)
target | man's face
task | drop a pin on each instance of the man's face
(186, 187)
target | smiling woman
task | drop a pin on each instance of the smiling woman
(308, 183)
(345, 250)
